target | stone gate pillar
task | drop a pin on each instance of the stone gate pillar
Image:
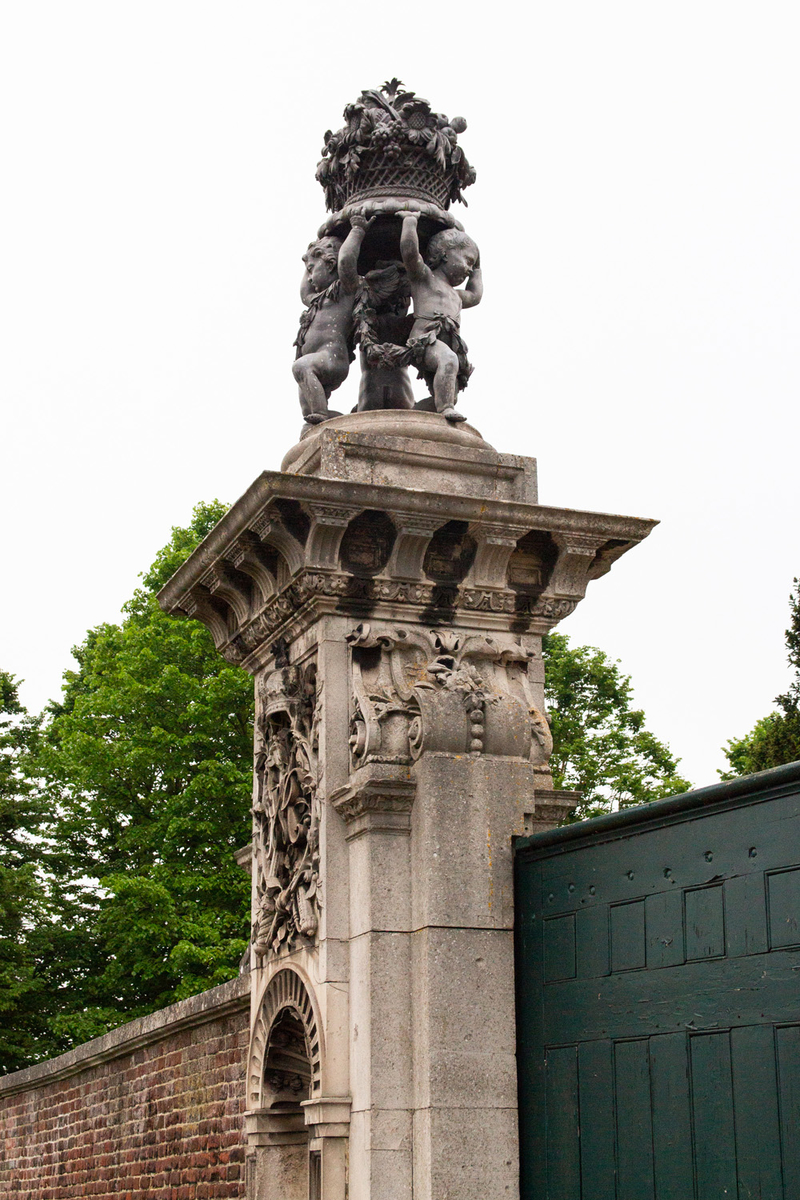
(388, 590)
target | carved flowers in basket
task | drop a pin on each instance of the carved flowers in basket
(385, 126)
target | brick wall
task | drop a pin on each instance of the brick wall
(153, 1109)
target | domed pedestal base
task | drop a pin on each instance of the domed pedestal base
(413, 450)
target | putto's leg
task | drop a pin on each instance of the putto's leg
(313, 398)
(444, 363)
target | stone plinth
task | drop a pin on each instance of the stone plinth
(412, 449)
(389, 590)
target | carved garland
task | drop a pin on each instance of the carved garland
(410, 687)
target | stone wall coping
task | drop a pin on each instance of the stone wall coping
(207, 1006)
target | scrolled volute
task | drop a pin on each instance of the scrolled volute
(441, 691)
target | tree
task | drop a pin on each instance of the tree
(775, 739)
(146, 763)
(601, 745)
(21, 892)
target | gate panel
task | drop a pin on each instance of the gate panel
(755, 1091)
(634, 1125)
(712, 1115)
(597, 1129)
(658, 976)
(788, 1042)
(672, 1126)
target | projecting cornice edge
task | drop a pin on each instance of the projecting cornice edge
(398, 502)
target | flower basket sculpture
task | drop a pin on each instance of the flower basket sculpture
(394, 147)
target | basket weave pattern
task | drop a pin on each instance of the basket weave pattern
(414, 174)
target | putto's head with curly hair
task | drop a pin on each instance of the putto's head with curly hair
(322, 259)
(455, 251)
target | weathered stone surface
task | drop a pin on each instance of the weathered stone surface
(466, 813)
(469, 1153)
(377, 1173)
(416, 450)
(399, 649)
(463, 995)
(381, 1022)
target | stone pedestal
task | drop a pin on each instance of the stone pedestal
(389, 590)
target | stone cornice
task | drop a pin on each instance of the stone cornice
(398, 502)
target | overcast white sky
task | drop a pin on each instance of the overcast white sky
(637, 213)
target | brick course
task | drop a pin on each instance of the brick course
(152, 1110)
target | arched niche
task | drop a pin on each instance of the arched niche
(284, 1062)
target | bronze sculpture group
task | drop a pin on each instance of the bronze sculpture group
(390, 175)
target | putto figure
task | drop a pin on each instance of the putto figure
(435, 344)
(324, 341)
(390, 175)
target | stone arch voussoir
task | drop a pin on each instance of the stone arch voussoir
(285, 1001)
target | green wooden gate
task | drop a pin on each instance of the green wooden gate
(658, 994)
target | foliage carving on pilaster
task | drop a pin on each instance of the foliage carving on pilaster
(286, 809)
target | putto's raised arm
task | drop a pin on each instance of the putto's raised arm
(473, 291)
(409, 246)
(348, 255)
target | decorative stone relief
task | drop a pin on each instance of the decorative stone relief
(286, 810)
(416, 691)
(281, 608)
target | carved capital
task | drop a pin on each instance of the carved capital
(378, 798)
(329, 1116)
(265, 1128)
(551, 808)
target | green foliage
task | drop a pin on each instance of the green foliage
(144, 769)
(21, 893)
(601, 745)
(774, 739)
